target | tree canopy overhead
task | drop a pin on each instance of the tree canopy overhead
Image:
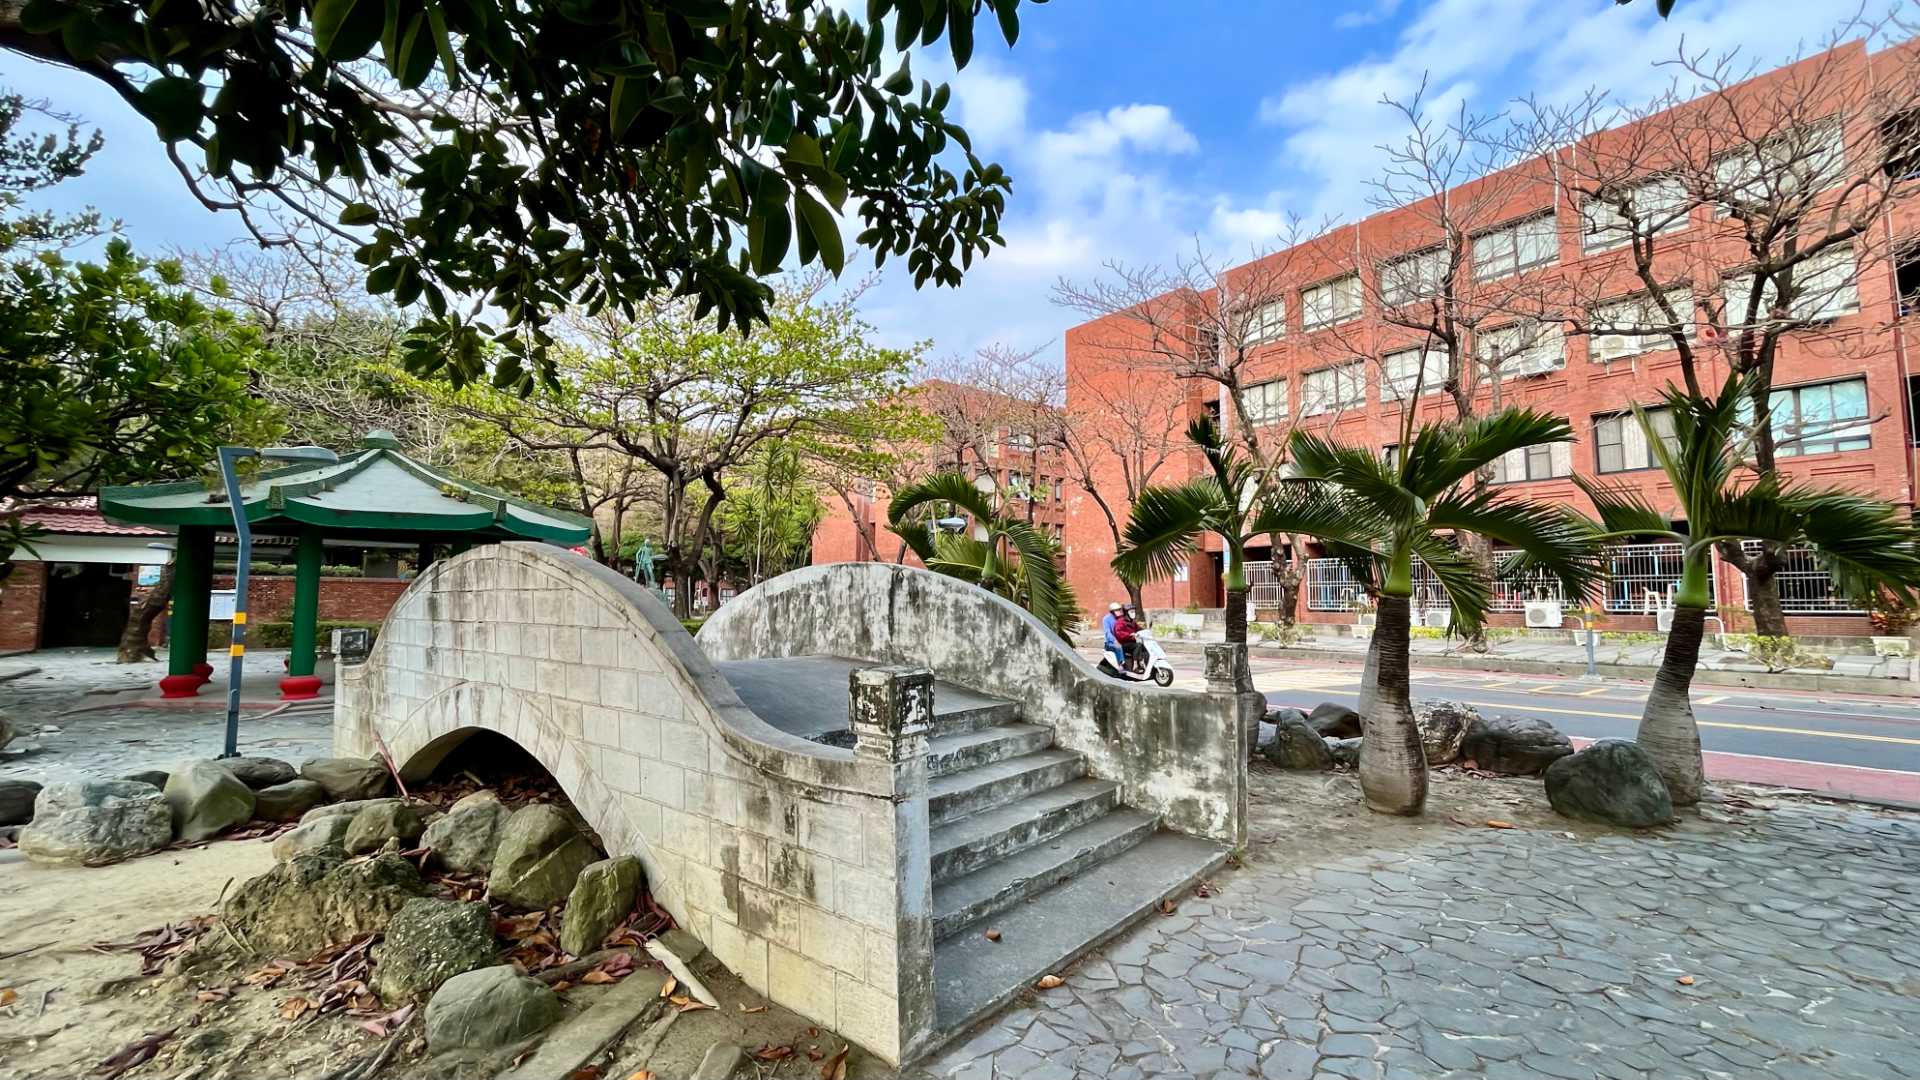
(497, 162)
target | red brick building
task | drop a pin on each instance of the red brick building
(1332, 351)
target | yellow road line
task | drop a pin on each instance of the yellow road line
(1705, 723)
(1590, 693)
(1714, 700)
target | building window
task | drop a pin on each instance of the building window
(1522, 348)
(1906, 277)
(1913, 409)
(1513, 248)
(1900, 149)
(1533, 463)
(1334, 388)
(1636, 325)
(1825, 418)
(1020, 441)
(1401, 371)
(1267, 322)
(1659, 205)
(1413, 277)
(1391, 452)
(1824, 288)
(1330, 302)
(1266, 402)
(1807, 158)
(1620, 442)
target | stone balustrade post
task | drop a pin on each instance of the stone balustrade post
(1230, 682)
(890, 710)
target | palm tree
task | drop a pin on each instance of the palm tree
(1867, 545)
(998, 552)
(1415, 506)
(1238, 503)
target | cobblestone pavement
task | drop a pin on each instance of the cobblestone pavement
(1529, 952)
(57, 743)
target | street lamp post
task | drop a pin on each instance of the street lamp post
(243, 561)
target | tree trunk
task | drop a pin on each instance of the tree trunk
(1370, 677)
(134, 646)
(1135, 599)
(1236, 614)
(1393, 761)
(1480, 550)
(1763, 589)
(1667, 730)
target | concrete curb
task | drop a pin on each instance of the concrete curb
(1757, 680)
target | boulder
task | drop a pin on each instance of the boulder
(344, 809)
(489, 1008)
(94, 822)
(1297, 746)
(429, 942)
(1285, 715)
(7, 730)
(1345, 752)
(1514, 745)
(465, 837)
(206, 800)
(348, 777)
(1443, 727)
(374, 825)
(321, 836)
(155, 778)
(1613, 782)
(539, 857)
(723, 1061)
(259, 772)
(288, 801)
(603, 895)
(16, 801)
(1335, 721)
(314, 900)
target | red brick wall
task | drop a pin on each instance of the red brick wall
(23, 595)
(270, 598)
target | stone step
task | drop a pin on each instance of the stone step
(953, 715)
(957, 751)
(973, 976)
(963, 846)
(962, 793)
(1018, 877)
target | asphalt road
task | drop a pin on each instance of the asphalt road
(1850, 744)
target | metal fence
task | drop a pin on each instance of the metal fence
(1641, 577)
(1330, 586)
(1263, 586)
(1805, 588)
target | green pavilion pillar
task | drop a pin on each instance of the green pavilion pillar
(301, 683)
(187, 667)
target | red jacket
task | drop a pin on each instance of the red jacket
(1124, 629)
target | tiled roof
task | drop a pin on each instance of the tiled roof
(77, 516)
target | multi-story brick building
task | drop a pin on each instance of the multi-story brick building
(1544, 293)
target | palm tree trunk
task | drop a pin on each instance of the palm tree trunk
(1393, 761)
(1667, 730)
(1370, 677)
(1236, 615)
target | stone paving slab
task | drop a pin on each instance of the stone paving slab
(1528, 952)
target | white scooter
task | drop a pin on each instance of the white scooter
(1156, 666)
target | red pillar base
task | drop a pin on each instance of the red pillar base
(179, 686)
(299, 687)
(202, 671)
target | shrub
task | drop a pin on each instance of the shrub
(1169, 630)
(693, 625)
(279, 635)
(1430, 633)
(1780, 653)
(1277, 633)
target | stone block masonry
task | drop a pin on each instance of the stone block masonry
(801, 866)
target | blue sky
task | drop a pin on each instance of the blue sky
(1135, 129)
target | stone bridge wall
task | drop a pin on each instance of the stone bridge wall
(1177, 753)
(803, 867)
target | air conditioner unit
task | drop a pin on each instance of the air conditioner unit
(1437, 617)
(1663, 620)
(1544, 613)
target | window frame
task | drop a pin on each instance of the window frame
(1590, 242)
(1511, 231)
(1800, 447)
(1307, 404)
(1426, 263)
(1338, 316)
(1743, 282)
(1558, 455)
(1625, 416)
(1835, 124)
(1261, 327)
(1662, 339)
(1263, 416)
(1389, 384)
(1480, 338)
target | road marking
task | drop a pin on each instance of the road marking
(1714, 700)
(1578, 740)
(1857, 736)
(1590, 693)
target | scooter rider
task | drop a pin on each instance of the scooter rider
(1126, 630)
(1109, 624)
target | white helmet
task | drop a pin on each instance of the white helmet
(1113, 606)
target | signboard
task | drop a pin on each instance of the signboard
(220, 605)
(149, 576)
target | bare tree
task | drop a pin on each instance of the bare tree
(1744, 216)
(1124, 429)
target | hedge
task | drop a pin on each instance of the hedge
(279, 635)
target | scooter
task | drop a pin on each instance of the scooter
(1155, 666)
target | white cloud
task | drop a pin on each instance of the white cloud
(1378, 11)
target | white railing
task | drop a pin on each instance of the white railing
(1805, 587)
(1641, 577)
(1331, 586)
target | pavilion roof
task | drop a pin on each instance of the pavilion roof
(375, 489)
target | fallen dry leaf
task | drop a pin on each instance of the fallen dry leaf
(294, 1007)
(1048, 982)
(1500, 824)
(755, 1009)
(669, 987)
(643, 1074)
(836, 1066)
(1168, 907)
(687, 1004)
(993, 935)
(586, 1072)
(134, 1054)
(773, 1053)
(562, 986)
(596, 977)
(1685, 980)
(8, 996)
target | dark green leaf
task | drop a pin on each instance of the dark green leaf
(174, 106)
(358, 213)
(818, 221)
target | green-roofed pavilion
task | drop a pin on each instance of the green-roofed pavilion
(374, 493)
